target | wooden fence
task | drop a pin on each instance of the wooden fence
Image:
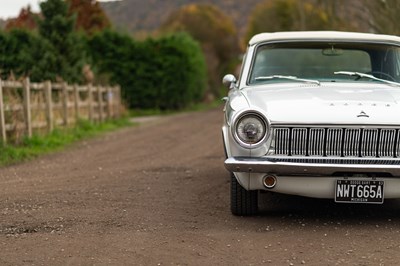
(27, 108)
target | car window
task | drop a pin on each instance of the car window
(320, 60)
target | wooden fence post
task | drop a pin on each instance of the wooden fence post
(65, 103)
(100, 102)
(90, 104)
(109, 103)
(118, 101)
(2, 119)
(27, 106)
(49, 106)
(76, 102)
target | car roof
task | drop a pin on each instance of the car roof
(323, 36)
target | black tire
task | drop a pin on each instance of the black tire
(243, 202)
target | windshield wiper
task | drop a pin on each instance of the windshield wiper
(363, 75)
(287, 77)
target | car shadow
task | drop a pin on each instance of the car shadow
(296, 207)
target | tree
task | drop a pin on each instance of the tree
(215, 32)
(292, 15)
(90, 16)
(24, 53)
(25, 20)
(57, 27)
(384, 16)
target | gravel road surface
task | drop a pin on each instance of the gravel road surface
(158, 194)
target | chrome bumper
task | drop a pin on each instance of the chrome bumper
(313, 166)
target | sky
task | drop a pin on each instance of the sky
(11, 8)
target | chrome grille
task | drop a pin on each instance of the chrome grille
(387, 141)
(337, 142)
(351, 142)
(369, 142)
(334, 142)
(316, 142)
(282, 146)
(299, 137)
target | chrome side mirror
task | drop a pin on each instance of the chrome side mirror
(229, 81)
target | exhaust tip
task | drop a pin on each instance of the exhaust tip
(269, 181)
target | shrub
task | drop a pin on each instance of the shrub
(164, 73)
(25, 54)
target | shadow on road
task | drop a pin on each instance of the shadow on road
(278, 205)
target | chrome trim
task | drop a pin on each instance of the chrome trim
(316, 143)
(229, 81)
(307, 167)
(388, 138)
(338, 141)
(351, 142)
(239, 116)
(369, 143)
(281, 140)
(334, 142)
(275, 124)
(299, 137)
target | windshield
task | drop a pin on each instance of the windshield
(319, 61)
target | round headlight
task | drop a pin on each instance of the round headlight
(251, 129)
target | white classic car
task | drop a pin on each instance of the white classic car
(314, 114)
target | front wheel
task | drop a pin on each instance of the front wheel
(243, 202)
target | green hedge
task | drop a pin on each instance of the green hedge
(167, 73)
(25, 54)
(164, 73)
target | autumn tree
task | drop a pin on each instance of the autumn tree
(384, 16)
(25, 20)
(215, 32)
(90, 17)
(292, 15)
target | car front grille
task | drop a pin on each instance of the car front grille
(337, 142)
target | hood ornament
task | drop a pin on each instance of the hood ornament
(363, 114)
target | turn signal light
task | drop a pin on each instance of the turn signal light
(269, 181)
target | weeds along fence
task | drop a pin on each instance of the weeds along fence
(37, 108)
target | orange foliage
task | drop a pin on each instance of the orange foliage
(292, 15)
(216, 33)
(25, 20)
(90, 15)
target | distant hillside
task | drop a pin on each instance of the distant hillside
(148, 15)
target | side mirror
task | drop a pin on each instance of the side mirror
(228, 81)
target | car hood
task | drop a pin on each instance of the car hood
(327, 103)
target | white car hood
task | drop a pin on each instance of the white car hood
(328, 103)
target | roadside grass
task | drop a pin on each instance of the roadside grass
(38, 145)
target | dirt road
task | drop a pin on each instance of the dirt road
(158, 194)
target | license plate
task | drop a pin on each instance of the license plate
(359, 191)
